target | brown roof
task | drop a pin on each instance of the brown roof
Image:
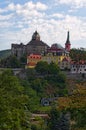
(37, 43)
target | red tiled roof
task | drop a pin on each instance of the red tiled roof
(81, 62)
(34, 56)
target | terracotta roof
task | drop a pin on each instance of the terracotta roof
(81, 62)
(34, 56)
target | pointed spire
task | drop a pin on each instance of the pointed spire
(67, 44)
(68, 41)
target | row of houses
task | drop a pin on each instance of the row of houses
(61, 61)
(64, 62)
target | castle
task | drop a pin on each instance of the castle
(37, 46)
(37, 50)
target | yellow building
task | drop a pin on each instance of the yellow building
(52, 58)
(33, 59)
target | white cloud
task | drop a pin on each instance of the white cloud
(41, 6)
(38, 6)
(72, 3)
(5, 24)
(58, 15)
(6, 17)
(11, 7)
(26, 18)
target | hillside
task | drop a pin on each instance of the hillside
(5, 53)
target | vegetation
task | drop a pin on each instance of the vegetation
(76, 104)
(20, 98)
(78, 54)
(5, 53)
(58, 120)
(13, 62)
(14, 114)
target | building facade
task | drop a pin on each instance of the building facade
(78, 67)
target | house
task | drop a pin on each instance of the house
(65, 64)
(78, 67)
(32, 60)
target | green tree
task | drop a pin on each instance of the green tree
(42, 67)
(53, 121)
(77, 54)
(76, 104)
(53, 68)
(33, 100)
(10, 62)
(14, 114)
(58, 120)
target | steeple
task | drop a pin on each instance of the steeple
(67, 44)
(68, 41)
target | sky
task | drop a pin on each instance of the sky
(19, 19)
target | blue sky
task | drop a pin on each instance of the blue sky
(51, 18)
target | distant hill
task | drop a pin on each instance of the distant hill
(5, 53)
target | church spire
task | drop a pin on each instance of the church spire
(67, 44)
(68, 38)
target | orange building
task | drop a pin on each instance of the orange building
(32, 60)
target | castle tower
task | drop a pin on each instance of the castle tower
(36, 36)
(67, 44)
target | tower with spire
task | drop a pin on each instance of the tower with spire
(67, 44)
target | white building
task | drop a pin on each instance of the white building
(78, 67)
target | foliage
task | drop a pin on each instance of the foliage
(76, 104)
(10, 62)
(14, 114)
(58, 120)
(53, 68)
(51, 76)
(13, 62)
(33, 99)
(77, 54)
(54, 119)
(42, 67)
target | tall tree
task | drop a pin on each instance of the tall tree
(14, 114)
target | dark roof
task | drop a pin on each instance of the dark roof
(37, 43)
(57, 46)
(21, 45)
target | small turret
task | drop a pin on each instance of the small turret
(67, 44)
(36, 36)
